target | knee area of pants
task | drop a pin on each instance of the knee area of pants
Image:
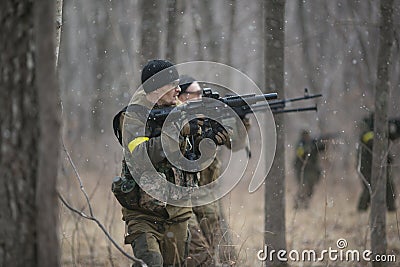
(147, 249)
(150, 258)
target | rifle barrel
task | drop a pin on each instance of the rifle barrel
(278, 111)
(279, 108)
(249, 99)
(283, 101)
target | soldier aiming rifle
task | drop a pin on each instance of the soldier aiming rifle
(156, 230)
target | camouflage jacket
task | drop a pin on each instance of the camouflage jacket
(307, 155)
(143, 149)
(365, 154)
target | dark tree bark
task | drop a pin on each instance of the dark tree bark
(29, 127)
(208, 44)
(46, 84)
(275, 183)
(19, 135)
(101, 68)
(172, 31)
(150, 31)
(231, 33)
(380, 148)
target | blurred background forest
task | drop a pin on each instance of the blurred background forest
(331, 47)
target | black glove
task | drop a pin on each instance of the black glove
(192, 128)
(218, 134)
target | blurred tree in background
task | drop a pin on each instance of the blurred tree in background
(30, 125)
(274, 213)
(380, 149)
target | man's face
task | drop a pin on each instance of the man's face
(169, 94)
(193, 92)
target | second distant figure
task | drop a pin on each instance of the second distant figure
(307, 168)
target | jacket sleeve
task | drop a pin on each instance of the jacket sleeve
(143, 147)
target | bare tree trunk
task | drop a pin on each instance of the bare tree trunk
(150, 31)
(197, 24)
(29, 129)
(231, 32)
(172, 31)
(208, 44)
(212, 39)
(275, 183)
(380, 148)
(49, 132)
(102, 60)
(19, 131)
(307, 53)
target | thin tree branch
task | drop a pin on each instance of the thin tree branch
(82, 214)
(78, 177)
(91, 214)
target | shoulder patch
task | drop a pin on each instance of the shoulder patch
(140, 110)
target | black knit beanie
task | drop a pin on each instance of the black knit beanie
(184, 82)
(151, 82)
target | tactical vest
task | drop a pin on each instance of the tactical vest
(125, 189)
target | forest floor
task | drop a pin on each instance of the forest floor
(331, 216)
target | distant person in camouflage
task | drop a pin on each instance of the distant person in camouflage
(157, 231)
(307, 168)
(208, 224)
(365, 164)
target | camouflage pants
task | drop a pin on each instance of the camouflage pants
(306, 180)
(159, 243)
(199, 248)
(365, 198)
